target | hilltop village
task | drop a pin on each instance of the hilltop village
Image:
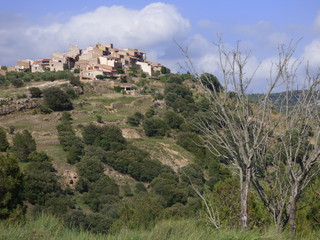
(94, 62)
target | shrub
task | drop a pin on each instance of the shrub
(11, 181)
(38, 157)
(17, 82)
(138, 164)
(103, 136)
(211, 82)
(35, 92)
(75, 81)
(4, 144)
(143, 75)
(12, 129)
(99, 118)
(66, 117)
(155, 127)
(173, 119)
(76, 70)
(135, 119)
(193, 143)
(71, 93)
(56, 99)
(150, 112)
(117, 89)
(177, 96)
(90, 168)
(164, 70)
(23, 145)
(41, 183)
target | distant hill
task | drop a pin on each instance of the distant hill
(277, 98)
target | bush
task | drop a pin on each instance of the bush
(167, 185)
(173, 119)
(164, 70)
(177, 96)
(71, 93)
(211, 82)
(137, 163)
(4, 144)
(11, 182)
(90, 168)
(66, 117)
(75, 81)
(135, 119)
(193, 143)
(23, 145)
(94, 222)
(150, 112)
(17, 82)
(117, 89)
(41, 183)
(12, 129)
(99, 119)
(56, 99)
(155, 127)
(143, 75)
(35, 92)
(38, 157)
(104, 136)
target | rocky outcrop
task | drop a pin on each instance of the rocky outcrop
(11, 106)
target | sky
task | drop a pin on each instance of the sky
(33, 29)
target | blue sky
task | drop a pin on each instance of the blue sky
(33, 29)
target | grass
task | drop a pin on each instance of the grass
(108, 101)
(165, 150)
(51, 228)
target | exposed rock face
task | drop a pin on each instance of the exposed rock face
(131, 133)
(19, 105)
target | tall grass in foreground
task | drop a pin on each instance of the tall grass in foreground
(51, 228)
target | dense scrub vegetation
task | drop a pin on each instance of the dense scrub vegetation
(20, 79)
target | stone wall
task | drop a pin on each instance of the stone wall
(12, 106)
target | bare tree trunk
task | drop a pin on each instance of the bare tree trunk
(293, 209)
(244, 199)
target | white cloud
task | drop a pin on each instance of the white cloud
(312, 53)
(155, 24)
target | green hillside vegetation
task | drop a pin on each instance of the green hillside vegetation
(109, 165)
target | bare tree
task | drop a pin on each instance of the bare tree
(295, 150)
(243, 132)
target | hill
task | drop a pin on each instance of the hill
(98, 160)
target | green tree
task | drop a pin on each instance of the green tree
(41, 183)
(211, 82)
(173, 119)
(4, 144)
(56, 99)
(11, 185)
(165, 70)
(107, 137)
(23, 145)
(90, 168)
